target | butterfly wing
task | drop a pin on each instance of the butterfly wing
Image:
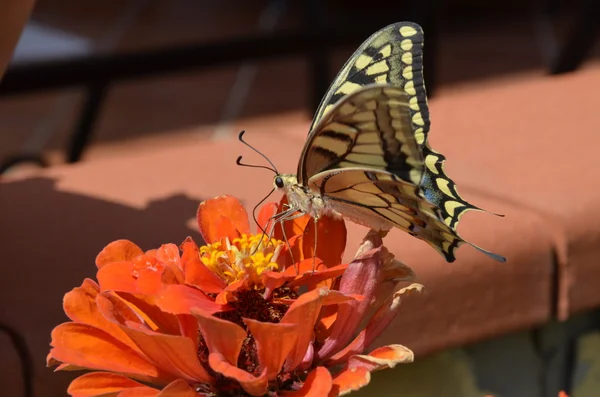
(394, 56)
(378, 199)
(369, 128)
(363, 160)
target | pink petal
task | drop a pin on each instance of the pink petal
(361, 277)
(387, 313)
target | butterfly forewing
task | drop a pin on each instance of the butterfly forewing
(369, 128)
(393, 56)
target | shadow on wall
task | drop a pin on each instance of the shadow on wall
(49, 240)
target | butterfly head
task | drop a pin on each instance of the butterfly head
(285, 182)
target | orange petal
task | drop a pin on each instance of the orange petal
(223, 216)
(382, 358)
(228, 294)
(562, 394)
(274, 342)
(118, 251)
(350, 380)
(196, 273)
(173, 353)
(138, 392)
(117, 276)
(181, 299)
(149, 281)
(265, 214)
(331, 240)
(317, 384)
(303, 313)
(88, 347)
(273, 280)
(255, 386)
(307, 276)
(221, 336)
(130, 310)
(292, 227)
(168, 254)
(179, 388)
(81, 307)
(104, 383)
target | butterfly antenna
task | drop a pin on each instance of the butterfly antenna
(241, 138)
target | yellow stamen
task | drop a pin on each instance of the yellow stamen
(245, 258)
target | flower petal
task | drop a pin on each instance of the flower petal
(255, 386)
(181, 299)
(265, 214)
(387, 313)
(221, 336)
(173, 353)
(118, 251)
(382, 358)
(223, 216)
(81, 307)
(377, 324)
(317, 384)
(126, 309)
(331, 240)
(361, 278)
(308, 277)
(117, 276)
(104, 383)
(274, 342)
(178, 388)
(196, 273)
(88, 347)
(349, 380)
(303, 313)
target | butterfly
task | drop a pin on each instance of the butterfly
(367, 158)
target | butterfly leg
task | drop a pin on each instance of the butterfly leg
(288, 215)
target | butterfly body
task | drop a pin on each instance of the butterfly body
(367, 158)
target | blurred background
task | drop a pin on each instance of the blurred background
(94, 83)
(95, 79)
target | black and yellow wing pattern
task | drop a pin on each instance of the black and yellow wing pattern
(367, 153)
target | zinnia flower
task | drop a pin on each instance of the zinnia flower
(234, 317)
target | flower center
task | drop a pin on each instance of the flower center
(244, 258)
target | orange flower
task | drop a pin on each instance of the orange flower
(235, 316)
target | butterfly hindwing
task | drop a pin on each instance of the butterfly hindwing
(386, 201)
